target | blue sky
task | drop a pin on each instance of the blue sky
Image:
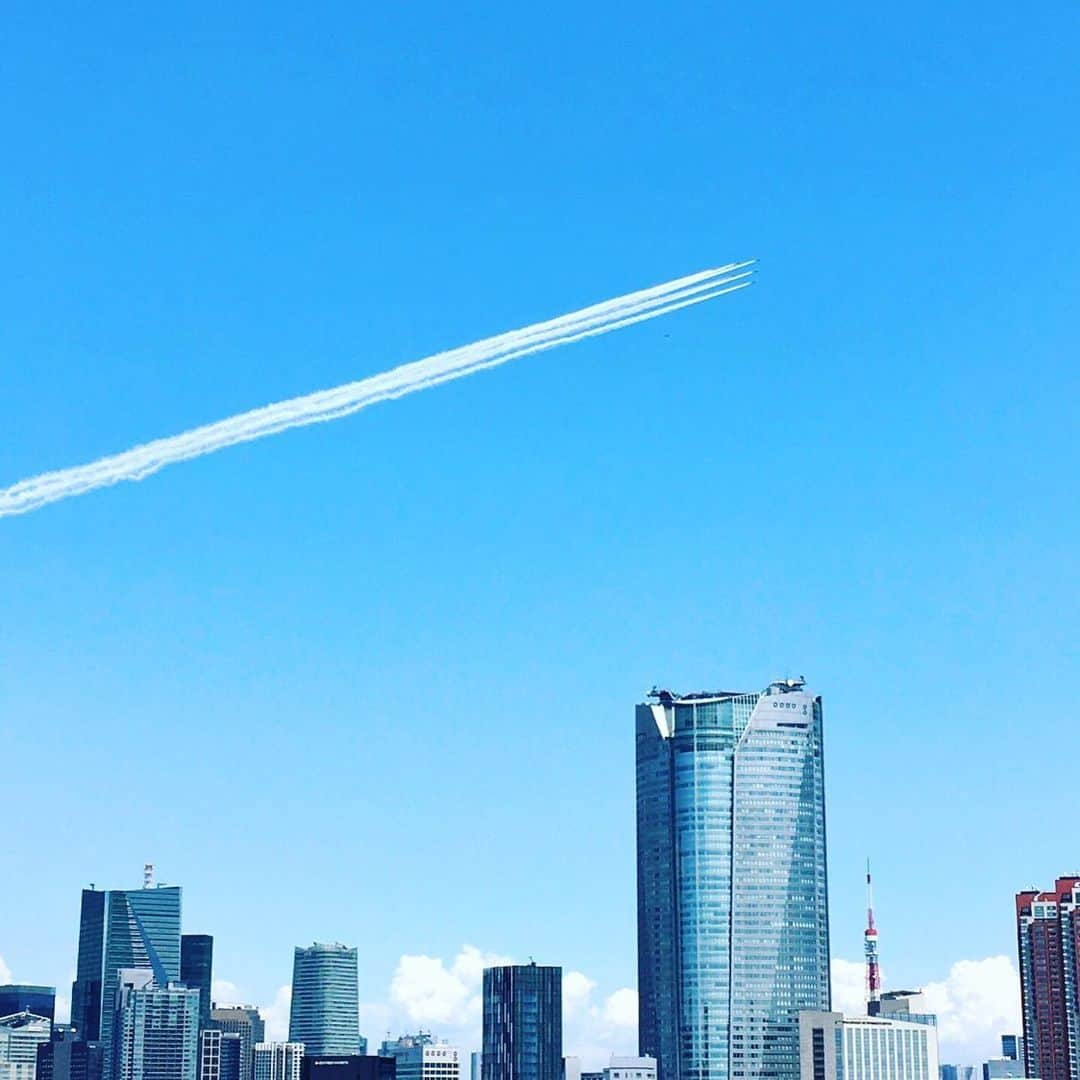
(375, 680)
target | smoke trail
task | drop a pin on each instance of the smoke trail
(321, 406)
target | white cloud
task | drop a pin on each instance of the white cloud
(848, 987)
(621, 1008)
(223, 992)
(5, 972)
(428, 992)
(977, 1002)
(276, 1015)
(594, 1030)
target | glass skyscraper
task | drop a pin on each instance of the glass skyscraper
(156, 1029)
(733, 922)
(324, 1014)
(196, 964)
(522, 1023)
(118, 928)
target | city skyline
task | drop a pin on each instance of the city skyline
(325, 681)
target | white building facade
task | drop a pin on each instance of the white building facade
(866, 1048)
(278, 1060)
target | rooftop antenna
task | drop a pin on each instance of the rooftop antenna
(873, 971)
(148, 875)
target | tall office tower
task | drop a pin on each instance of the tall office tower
(865, 1048)
(420, 1057)
(20, 1036)
(121, 928)
(733, 921)
(157, 1029)
(1048, 938)
(958, 1072)
(221, 1055)
(1012, 1046)
(278, 1060)
(68, 1056)
(324, 1014)
(522, 1023)
(19, 997)
(245, 1021)
(196, 964)
(476, 1066)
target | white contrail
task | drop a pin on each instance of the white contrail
(323, 405)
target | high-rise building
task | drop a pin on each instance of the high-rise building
(420, 1057)
(865, 1048)
(571, 1067)
(324, 1014)
(1012, 1046)
(522, 1023)
(221, 1055)
(476, 1066)
(1048, 936)
(121, 929)
(20, 997)
(245, 1021)
(68, 1056)
(20, 1036)
(278, 1060)
(156, 1030)
(346, 1067)
(196, 967)
(733, 922)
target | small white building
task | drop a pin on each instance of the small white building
(20, 1035)
(834, 1047)
(631, 1068)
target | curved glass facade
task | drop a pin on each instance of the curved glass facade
(733, 936)
(324, 1014)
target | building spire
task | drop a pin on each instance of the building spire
(873, 972)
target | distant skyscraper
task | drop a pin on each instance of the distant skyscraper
(476, 1066)
(19, 997)
(420, 1057)
(324, 1014)
(1048, 933)
(245, 1021)
(157, 1029)
(733, 922)
(221, 1055)
(20, 1037)
(196, 966)
(522, 1023)
(866, 1048)
(278, 1060)
(118, 929)
(1012, 1046)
